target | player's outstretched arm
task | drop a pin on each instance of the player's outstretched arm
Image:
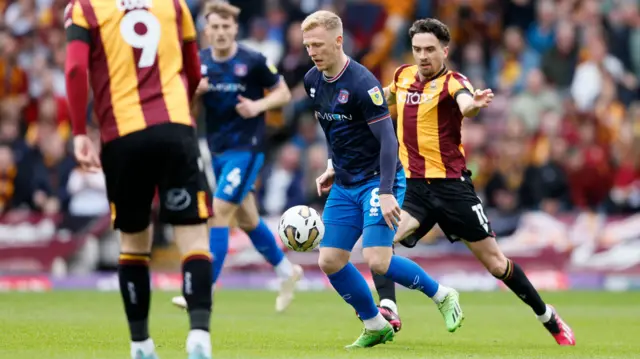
(470, 105)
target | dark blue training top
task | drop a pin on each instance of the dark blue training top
(347, 106)
(248, 74)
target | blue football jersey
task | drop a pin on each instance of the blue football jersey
(248, 74)
(345, 105)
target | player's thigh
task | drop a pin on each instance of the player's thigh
(341, 211)
(182, 184)
(237, 175)
(130, 181)
(247, 214)
(418, 203)
(335, 247)
(461, 216)
(420, 208)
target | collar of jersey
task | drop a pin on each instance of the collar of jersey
(219, 61)
(440, 73)
(336, 77)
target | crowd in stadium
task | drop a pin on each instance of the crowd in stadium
(562, 134)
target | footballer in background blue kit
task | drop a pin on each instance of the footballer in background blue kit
(236, 143)
(232, 94)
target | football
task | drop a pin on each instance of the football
(301, 228)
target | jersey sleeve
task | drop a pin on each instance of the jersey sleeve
(396, 75)
(188, 28)
(266, 73)
(459, 84)
(370, 99)
(76, 25)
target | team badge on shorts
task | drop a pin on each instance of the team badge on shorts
(343, 96)
(240, 70)
(376, 96)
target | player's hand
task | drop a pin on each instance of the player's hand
(482, 98)
(203, 86)
(86, 153)
(325, 181)
(247, 108)
(390, 210)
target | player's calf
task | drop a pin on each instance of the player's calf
(510, 273)
(409, 274)
(351, 285)
(219, 234)
(196, 288)
(134, 280)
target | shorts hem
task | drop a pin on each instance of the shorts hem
(342, 224)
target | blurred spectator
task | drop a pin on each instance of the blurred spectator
(562, 134)
(88, 190)
(259, 41)
(590, 75)
(283, 186)
(510, 66)
(559, 62)
(541, 33)
(534, 101)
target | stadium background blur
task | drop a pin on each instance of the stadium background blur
(556, 157)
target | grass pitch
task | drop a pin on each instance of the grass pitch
(83, 325)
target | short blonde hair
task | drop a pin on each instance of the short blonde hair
(222, 8)
(322, 18)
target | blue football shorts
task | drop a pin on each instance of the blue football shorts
(236, 173)
(359, 207)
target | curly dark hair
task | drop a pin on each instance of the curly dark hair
(431, 26)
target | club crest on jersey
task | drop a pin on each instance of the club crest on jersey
(240, 70)
(376, 96)
(203, 70)
(343, 96)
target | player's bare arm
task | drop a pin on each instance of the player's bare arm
(325, 180)
(389, 95)
(277, 97)
(470, 105)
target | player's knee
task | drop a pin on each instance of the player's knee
(496, 263)
(248, 225)
(223, 213)
(378, 260)
(330, 261)
(191, 238)
(379, 265)
(248, 221)
(139, 242)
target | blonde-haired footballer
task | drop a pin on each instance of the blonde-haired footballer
(364, 179)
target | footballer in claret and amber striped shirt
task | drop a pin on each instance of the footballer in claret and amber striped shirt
(431, 103)
(429, 122)
(136, 69)
(141, 59)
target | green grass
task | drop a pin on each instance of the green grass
(87, 325)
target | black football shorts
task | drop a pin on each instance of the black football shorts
(165, 158)
(452, 203)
